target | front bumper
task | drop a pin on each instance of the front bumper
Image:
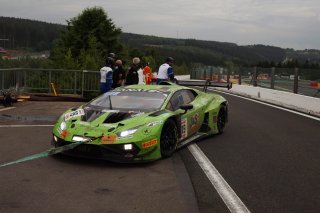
(110, 152)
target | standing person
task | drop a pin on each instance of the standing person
(147, 72)
(133, 75)
(165, 72)
(118, 74)
(106, 76)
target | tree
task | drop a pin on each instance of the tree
(90, 36)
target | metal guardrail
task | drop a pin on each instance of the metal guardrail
(284, 79)
(30, 80)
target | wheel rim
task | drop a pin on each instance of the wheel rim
(221, 120)
(168, 139)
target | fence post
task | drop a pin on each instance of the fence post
(272, 78)
(254, 77)
(49, 82)
(75, 83)
(2, 80)
(18, 81)
(228, 75)
(295, 81)
(82, 86)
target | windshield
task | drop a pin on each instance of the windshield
(130, 100)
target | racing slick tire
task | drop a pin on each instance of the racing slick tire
(169, 138)
(222, 119)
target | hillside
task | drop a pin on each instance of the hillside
(38, 36)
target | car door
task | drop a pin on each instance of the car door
(190, 121)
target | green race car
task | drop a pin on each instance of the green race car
(142, 122)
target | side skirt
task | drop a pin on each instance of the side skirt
(191, 139)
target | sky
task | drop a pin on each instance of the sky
(282, 23)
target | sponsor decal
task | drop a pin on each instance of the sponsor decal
(194, 122)
(146, 131)
(138, 114)
(73, 114)
(149, 143)
(108, 139)
(184, 130)
(140, 90)
(154, 123)
(64, 134)
(111, 110)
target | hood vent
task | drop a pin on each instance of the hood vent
(91, 115)
(117, 117)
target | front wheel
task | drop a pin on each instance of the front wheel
(222, 119)
(169, 138)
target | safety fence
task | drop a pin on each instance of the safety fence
(47, 80)
(285, 79)
(80, 82)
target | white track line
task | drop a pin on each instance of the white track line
(271, 105)
(229, 197)
(7, 108)
(32, 125)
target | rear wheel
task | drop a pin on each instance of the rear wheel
(222, 119)
(169, 138)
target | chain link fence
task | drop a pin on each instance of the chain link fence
(285, 79)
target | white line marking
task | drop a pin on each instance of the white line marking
(36, 125)
(7, 108)
(229, 197)
(271, 105)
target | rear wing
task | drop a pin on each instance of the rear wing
(204, 83)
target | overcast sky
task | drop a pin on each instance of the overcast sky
(283, 23)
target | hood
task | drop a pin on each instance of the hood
(108, 116)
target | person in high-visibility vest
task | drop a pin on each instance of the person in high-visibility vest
(147, 72)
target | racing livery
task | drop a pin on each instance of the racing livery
(141, 122)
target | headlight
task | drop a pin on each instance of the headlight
(128, 132)
(63, 125)
(80, 139)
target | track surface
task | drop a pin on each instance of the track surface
(270, 158)
(65, 184)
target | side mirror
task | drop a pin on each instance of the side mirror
(186, 107)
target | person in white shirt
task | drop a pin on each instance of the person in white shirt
(165, 72)
(106, 76)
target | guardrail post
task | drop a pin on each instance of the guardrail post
(295, 81)
(272, 78)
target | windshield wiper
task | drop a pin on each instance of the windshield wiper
(110, 104)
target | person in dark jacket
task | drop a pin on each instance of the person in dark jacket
(118, 74)
(132, 75)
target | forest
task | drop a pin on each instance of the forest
(25, 38)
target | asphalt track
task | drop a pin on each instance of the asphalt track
(269, 157)
(65, 184)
